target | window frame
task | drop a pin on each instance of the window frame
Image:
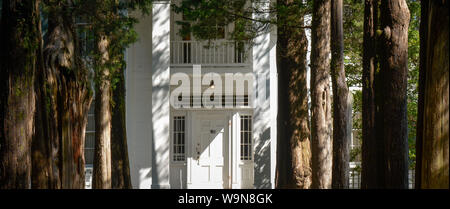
(173, 154)
(250, 143)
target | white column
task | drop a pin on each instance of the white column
(264, 128)
(273, 104)
(160, 94)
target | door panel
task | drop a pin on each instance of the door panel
(209, 169)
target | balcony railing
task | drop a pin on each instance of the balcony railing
(209, 53)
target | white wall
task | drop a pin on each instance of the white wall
(138, 104)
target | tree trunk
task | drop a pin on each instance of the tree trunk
(64, 97)
(102, 156)
(18, 62)
(294, 155)
(341, 134)
(370, 154)
(321, 96)
(393, 84)
(45, 173)
(432, 128)
(119, 150)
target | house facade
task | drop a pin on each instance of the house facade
(177, 140)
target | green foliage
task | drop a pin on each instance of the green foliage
(202, 18)
(353, 17)
(109, 18)
(353, 21)
(357, 124)
(413, 77)
(212, 15)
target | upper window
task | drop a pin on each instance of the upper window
(246, 137)
(215, 28)
(85, 36)
(179, 138)
(220, 32)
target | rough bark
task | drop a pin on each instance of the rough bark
(341, 119)
(119, 149)
(101, 178)
(44, 174)
(20, 45)
(371, 155)
(321, 96)
(294, 157)
(432, 128)
(64, 97)
(393, 83)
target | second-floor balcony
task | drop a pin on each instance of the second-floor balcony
(210, 53)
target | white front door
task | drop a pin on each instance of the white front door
(209, 163)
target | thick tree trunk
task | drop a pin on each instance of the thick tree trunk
(119, 149)
(321, 96)
(18, 62)
(393, 84)
(45, 172)
(371, 155)
(341, 119)
(432, 128)
(73, 126)
(64, 97)
(102, 155)
(294, 155)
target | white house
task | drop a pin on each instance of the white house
(231, 145)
